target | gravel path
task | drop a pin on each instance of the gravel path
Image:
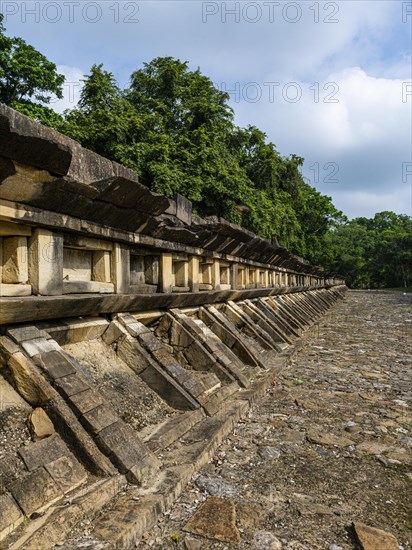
(330, 444)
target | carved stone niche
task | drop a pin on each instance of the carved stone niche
(14, 263)
(87, 266)
(205, 274)
(144, 272)
(180, 273)
(224, 276)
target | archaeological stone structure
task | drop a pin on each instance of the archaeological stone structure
(134, 335)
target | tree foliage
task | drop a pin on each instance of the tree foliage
(373, 253)
(27, 77)
(177, 130)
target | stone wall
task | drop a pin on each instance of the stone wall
(72, 222)
(133, 336)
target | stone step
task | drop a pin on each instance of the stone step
(221, 354)
(198, 384)
(162, 436)
(118, 441)
(212, 403)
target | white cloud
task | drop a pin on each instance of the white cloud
(358, 144)
(366, 204)
(71, 88)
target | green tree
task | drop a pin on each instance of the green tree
(373, 253)
(27, 77)
(177, 130)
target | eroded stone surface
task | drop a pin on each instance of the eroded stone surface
(44, 451)
(40, 424)
(35, 491)
(66, 472)
(215, 519)
(371, 538)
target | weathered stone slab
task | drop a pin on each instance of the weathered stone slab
(85, 401)
(39, 453)
(10, 515)
(132, 353)
(79, 287)
(113, 332)
(46, 262)
(150, 342)
(9, 398)
(371, 538)
(163, 357)
(29, 332)
(167, 387)
(31, 385)
(7, 348)
(15, 260)
(55, 363)
(180, 374)
(12, 290)
(35, 492)
(72, 384)
(97, 419)
(38, 346)
(174, 428)
(125, 523)
(323, 438)
(126, 450)
(66, 472)
(13, 229)
(215, 519)
(70, 331)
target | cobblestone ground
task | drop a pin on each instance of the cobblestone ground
(330, 443)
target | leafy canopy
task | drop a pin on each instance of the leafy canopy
(177, 130)
(26, 75)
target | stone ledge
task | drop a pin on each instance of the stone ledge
(58, 521)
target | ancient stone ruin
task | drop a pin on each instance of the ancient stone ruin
(134, 335)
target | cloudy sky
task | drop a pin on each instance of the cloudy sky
(328, 81)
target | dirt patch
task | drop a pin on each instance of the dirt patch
(14, 433)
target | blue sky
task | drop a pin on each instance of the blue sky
(328, 81)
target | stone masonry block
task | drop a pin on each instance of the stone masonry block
(55, 363)
(166, 273)
(29, 332)
(114, 332)
(126, 450)
(101, 270)
(99, 418)
(67, 473)
(85, 401)
(38, 346)
(41, 452)
(120, 268)
(10, 515)
(14, 290)
(150, 342)
(30, 383)
(46, 262)
(35, 492)
(71, 385)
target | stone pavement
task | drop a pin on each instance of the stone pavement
(326, 454)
